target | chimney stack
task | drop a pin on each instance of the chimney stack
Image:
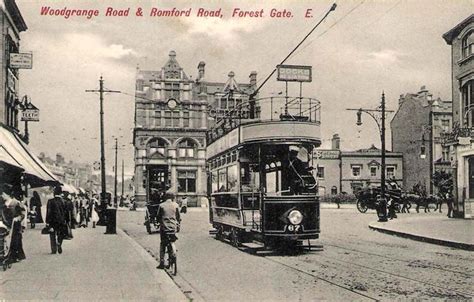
(253, 78)
(201, 70)
(336, 142)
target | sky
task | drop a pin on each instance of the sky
(361, 49)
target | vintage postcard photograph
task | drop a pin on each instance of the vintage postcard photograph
(237, 150)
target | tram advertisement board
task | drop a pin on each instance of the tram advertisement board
(294, 73)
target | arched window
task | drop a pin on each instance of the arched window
(333, 190)
(468, 44)
(157, 145)
(187, 148)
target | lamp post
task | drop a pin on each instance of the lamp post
(378, 115)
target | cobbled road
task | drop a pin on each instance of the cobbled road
(355, 264)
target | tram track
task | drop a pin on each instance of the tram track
(400, 260)
(469, 294)
(321, 278)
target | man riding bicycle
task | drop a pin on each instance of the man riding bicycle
(169, 219)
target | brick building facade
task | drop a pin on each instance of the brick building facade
(416, 128)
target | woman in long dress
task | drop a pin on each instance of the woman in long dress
(35, 204)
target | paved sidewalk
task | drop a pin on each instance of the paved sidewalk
(431, 227)
(93, 266)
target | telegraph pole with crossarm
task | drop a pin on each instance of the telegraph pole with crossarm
(101, 91)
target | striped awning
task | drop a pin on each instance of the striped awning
(14, 151)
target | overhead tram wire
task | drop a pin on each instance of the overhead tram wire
(330, 27)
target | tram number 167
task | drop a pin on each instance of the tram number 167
(293, 228)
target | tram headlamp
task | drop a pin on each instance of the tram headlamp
(295, 217)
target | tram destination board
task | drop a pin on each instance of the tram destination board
(294, 73)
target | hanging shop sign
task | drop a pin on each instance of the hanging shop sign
(30, 113)
(294, 73)
(21, 60)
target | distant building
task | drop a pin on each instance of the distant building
(172, 113)
(347, 171)
(460, 140)
(416, 132)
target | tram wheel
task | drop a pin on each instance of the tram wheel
(361, 206)
(219, 234)
(235, 238)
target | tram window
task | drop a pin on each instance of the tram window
(272, 182)
(232, 178)
(234, 157)
(214, 182)
(222, 180)
(249, 178)
(228, 159)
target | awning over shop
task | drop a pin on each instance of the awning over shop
(36, 173)
(7, 159)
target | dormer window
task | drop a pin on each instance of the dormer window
(468, 44)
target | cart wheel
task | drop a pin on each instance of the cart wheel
(361, 206)
(148, 227)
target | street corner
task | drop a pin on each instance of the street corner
(427, 235)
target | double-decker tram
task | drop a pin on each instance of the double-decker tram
(260, 173)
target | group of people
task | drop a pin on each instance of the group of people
(67, 211)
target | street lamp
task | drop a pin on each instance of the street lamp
(378, 115)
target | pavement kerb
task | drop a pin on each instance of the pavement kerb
(172, 291)
(449, 243)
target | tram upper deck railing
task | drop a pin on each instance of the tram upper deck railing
(272, 109)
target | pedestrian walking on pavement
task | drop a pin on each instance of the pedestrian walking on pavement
(35, 203)
(184, 204)
(449, 203)
(18, 211)
(56, 220)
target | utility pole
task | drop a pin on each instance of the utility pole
(109, 215)
(103, 197)
(122, 180)
(382, 138)
(115, 171)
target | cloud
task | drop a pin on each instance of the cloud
(386, 56)
(94, 45)
(224, 29)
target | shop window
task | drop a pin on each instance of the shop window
(187, 181)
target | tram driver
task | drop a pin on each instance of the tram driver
(297, 172)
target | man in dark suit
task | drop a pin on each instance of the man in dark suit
(56, 219)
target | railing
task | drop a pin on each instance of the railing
(281, 108)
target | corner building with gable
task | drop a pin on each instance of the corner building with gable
(171, 120)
